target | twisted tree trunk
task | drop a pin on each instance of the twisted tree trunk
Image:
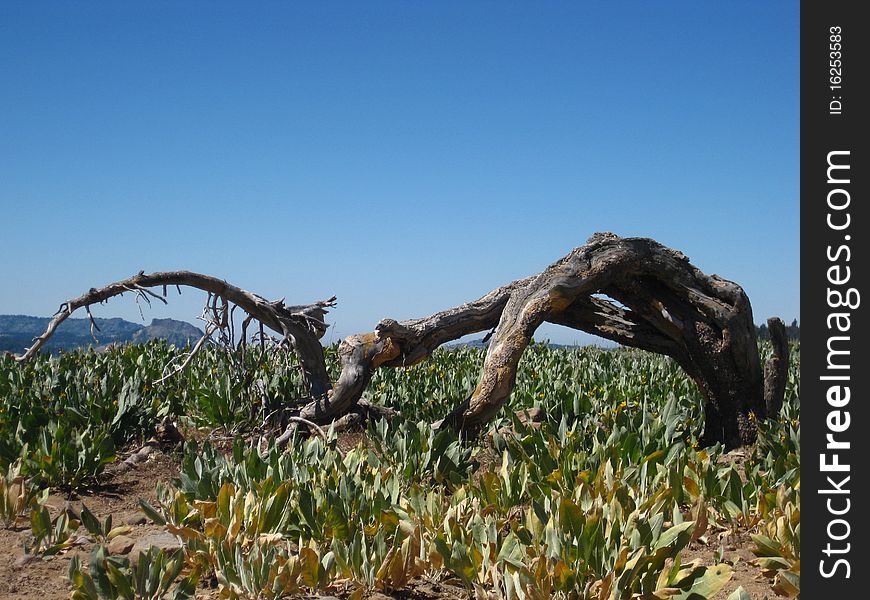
(658, 301)
(404, 344)
(633, 291)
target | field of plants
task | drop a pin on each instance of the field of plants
(603, 494)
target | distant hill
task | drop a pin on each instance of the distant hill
(17, 332)
(175, 332)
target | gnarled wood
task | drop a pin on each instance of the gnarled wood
(403, 344)
(667, 306)
(633, 291)
(302, 325)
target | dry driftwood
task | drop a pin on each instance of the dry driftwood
(658, 301)
(633, 291)
(303, 325)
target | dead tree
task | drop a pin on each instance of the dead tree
(656, 300)
(633, 291)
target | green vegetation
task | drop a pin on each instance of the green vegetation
(596, 501)
(155, 576)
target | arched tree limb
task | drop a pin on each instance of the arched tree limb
(667, 306)
(403, 344)
(633, 291)
(302, 325)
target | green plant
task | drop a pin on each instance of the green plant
(101, 532)
(597, 500)
(69, 457)
(155, 576)
(50, 536)
(17, 495)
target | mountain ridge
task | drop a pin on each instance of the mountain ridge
(17, 332)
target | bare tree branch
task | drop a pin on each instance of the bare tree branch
(193, 352)
(704, 322)
(302, 324)
(633, 291)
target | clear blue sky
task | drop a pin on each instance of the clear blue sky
(405, 156)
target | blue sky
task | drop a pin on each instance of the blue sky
(405, 156)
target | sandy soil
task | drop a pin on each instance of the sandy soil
(741, 559)
(45, 579)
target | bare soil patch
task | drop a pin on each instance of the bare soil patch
(45, 579)
(738, 554)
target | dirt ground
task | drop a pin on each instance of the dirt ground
(739, 556)
(45, 579)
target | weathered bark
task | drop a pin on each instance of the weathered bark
(403, 344)
(303, 325)
(668, 306)
(776, 369)
(633, 291)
